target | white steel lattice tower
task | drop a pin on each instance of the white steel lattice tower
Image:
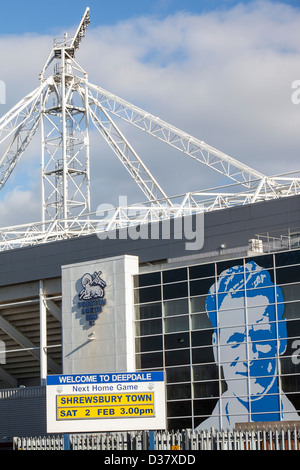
(64, 135)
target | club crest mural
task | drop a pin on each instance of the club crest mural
(91, 298)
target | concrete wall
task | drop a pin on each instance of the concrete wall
(108, 343)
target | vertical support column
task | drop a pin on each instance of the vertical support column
(151, 440)
(87, 146)
(67, 442)
(43, 335)
(42, 128)
(64, 138)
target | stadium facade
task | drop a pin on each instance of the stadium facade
(222, 321)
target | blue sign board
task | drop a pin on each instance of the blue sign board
(105, 378)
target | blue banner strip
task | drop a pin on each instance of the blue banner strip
(76, 379)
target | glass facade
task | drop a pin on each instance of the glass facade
(227, 335)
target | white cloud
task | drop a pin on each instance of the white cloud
(19, 207)
(224, 77)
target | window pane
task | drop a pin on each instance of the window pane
(205, 270)
(291, 292)
(200, 355)
(178, 374)
(150, 327)
(268, 292)
(292, 310)
(200, 287)
(147, 294)
(150, 360)
(295, 399)
(174, 358)
(202, 338)
(204, 407)
(206, 389)
(291, 383)
(229, 305)
(179, 408)
(293, 329)
(174, 275)
(147, 279)
(178, 391)
(205, 372)
(148, 343)
(229, 282)
(176, 324)
(287, 275)
(177, 341)
(224, 265)
(289, 365)
(143, 312)
(284, 259)
(200, 321)
(198, 304)
(174, 291)
(179, 423)
(176, 307)
(265, 261)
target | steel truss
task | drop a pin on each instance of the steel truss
(63, 106)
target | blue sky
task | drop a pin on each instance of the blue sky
(34, 16)
(222, 71)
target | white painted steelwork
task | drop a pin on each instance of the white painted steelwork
(64, 106)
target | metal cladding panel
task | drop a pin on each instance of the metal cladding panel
(235, 226)
(232, 227)
(23, 416)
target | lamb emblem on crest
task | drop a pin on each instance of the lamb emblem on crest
(93, 286)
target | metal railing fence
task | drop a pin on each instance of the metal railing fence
(273, 438)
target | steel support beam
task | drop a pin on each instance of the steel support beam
(17, 336)
(53, 309)
(8, 378)
(43, 335)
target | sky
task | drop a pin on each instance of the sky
(222, 71)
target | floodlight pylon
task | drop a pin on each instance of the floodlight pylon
(65, 162)
(64, 142)
(64, 106)
(66, 111)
